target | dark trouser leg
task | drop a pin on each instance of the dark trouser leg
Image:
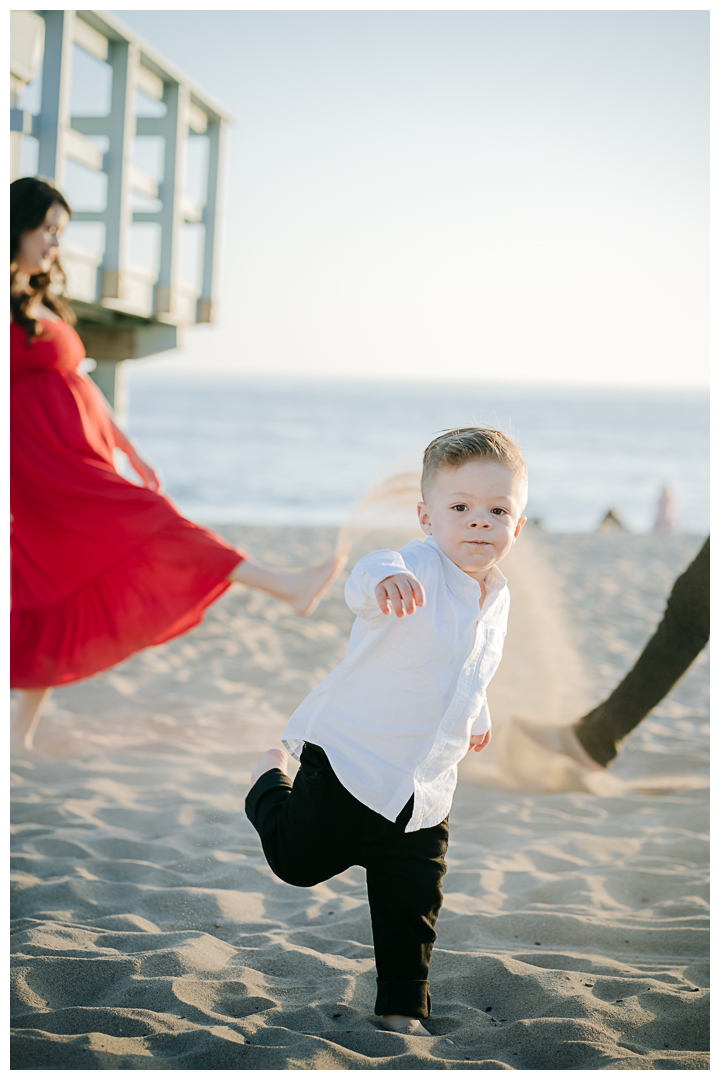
(263, 805)
(314, 829)
(404, 879)
(306, 828)
(683, 632)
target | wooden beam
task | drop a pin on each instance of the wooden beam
(143, 183)
(89, 39)
(149, 83)
(80, 149)
(197, 119)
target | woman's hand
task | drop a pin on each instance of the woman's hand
(146, 473)
(479, 742)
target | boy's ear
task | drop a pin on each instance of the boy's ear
(519, 528)
(424, 518)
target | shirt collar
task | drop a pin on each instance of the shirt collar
(458, 581)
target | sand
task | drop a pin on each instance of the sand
(149, 933)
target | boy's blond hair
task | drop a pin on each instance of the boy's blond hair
(457, 446)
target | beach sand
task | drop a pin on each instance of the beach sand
(149, 932)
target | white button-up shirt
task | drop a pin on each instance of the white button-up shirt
(395, 717)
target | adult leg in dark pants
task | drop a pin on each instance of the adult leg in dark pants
(680, 636)
(314, 829)
(594, 740)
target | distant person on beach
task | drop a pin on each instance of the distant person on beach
(101, 567)
(666, 509)
(681, 635)
(610, 522)
(379, 740)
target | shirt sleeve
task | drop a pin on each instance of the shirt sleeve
(366, 575)
(482, 722)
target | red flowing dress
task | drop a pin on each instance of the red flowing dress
(100, 567)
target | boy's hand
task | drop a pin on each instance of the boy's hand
(399, 589)
(479, 742)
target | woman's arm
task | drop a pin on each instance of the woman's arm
(121, 440)
(146, 473)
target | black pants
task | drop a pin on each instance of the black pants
(680, 636)
(314, 829)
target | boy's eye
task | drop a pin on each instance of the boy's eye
(459, 506)
(498, 510)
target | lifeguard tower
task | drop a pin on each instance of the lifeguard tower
(140, 160)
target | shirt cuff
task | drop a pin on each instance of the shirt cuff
(380, 564)
(482, 722)
(367, 575)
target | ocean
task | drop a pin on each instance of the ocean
(235, 450)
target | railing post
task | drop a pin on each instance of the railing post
(54, 119)
(211, 219)
(123, 57)
(175, 130)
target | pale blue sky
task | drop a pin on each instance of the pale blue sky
(513, 196)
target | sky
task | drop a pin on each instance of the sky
(506, 196)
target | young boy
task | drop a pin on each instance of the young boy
(380, 738)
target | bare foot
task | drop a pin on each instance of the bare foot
(271, 759)
(306, 587)
(403, 1025)
(561, 739)
(18, 751)
(25, 720)
(301, 589)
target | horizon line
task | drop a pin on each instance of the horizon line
(400, 380)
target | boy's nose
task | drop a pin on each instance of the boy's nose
(480, 524)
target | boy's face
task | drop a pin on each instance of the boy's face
(474, 514)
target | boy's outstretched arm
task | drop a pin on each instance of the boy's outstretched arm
(380, 583)
(400, 593)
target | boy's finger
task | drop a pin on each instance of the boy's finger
(406, 592)
(395, 599)
(382, 599)
(418, 592)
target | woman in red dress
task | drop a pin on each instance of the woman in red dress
(101, 567)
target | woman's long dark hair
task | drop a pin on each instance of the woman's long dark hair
(30, 200)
